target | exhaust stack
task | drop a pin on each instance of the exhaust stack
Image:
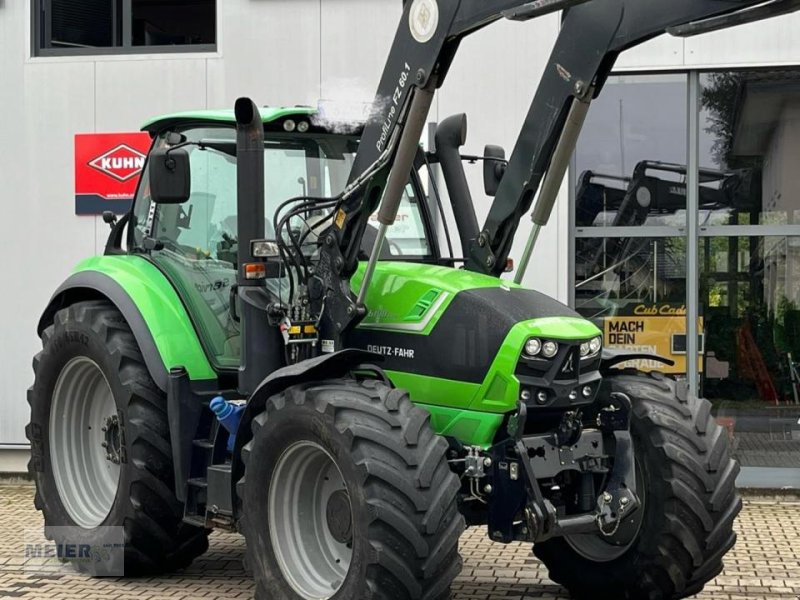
(249, 182)
(261, 344)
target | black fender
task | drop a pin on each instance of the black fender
(93, 285)
(611, 357)
(325, 366)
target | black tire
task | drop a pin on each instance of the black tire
(156, 539)
(690, 501)
(405, 521)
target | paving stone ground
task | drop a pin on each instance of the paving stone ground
(774, 449)
(764, 564)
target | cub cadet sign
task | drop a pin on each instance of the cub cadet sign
(107, 169)
(653, 329)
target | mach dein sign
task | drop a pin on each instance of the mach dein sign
(107, 170)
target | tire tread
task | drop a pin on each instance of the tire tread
(156, 539)
(701, 501)
(408, 486)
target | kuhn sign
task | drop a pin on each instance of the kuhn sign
(121, 163)
(107, 170)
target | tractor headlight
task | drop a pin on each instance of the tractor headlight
(533, 346)
(592, 347)
(549, 349)
(264, 248)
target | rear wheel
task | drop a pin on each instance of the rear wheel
(100, 446)
(348, 494)
(674, 544)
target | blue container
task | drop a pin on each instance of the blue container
(229, 415)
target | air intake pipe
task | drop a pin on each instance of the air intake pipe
(451, 134)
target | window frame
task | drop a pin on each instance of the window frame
(41, 31)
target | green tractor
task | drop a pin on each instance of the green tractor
(274, 342)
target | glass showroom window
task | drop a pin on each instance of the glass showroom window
(633, 258)
(749, 258)
(639, 300)
(750, 290)
(750, 137)
(74, 27)
(630, 160)
(630, 208)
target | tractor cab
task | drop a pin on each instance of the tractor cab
(195, 242)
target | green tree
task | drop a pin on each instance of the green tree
(720, 98)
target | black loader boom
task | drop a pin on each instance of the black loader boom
(592, 35)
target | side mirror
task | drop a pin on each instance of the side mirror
(494, 167)
(170, 175)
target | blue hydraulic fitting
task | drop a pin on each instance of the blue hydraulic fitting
(229, 415)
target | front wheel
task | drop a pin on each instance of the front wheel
(348, 494)
(685, 479)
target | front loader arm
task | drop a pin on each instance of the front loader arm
(424, 46)
(418, 62)
(593, 34)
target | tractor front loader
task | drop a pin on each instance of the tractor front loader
(265, 347)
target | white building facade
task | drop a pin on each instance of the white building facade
(279, 52)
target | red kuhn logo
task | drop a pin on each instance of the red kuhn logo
(121, 163)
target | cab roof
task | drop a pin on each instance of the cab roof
(269, 114)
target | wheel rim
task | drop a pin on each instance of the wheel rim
(310, 521)
(85, 442)
(599, 548)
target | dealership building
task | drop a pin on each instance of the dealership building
(677, 229)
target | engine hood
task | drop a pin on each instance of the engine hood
(453, 337)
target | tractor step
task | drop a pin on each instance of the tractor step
(198, 482)
(205, 452)
(219, 490)
(209, 489)
(196, 521)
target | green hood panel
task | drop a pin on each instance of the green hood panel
(410, 297)
(389, 275)
(161, 309)
(562, 328)
(469, 427)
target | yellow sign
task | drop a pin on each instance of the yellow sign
(658, 329)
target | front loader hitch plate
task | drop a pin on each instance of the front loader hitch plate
(619, 498)
(536, 457)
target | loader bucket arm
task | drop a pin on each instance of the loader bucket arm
(593, 34)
